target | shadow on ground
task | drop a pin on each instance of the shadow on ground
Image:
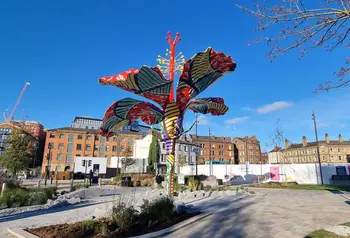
(230, 218)
(48, 211)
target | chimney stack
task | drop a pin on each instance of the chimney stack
(340, 138)
(287, 143)
(327, 138)
(304, 141)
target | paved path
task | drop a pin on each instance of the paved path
(271, 213)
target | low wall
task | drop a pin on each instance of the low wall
(300, 173)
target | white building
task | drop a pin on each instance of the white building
(99, 163)
(275, 155)
(183, 149)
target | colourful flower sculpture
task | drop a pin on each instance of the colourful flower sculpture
(199, 72)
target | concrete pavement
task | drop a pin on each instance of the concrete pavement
(271, 213)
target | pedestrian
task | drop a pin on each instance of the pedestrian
(91, 174)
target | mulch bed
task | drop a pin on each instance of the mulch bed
(75, 230)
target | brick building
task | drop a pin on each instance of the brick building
(247, 149)
(69, 142)
(214, 148)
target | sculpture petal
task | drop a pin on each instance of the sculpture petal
(147, 82)
(126, 111)
(215, 106)
(201, 71)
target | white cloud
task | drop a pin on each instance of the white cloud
(321, 125)
(236, 120)
(203, 120)
(274, 107)
(247, 109)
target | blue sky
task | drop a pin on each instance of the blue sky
(63, 47)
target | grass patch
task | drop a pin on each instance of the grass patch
(324, 234)
(346, 224)
(301, 186)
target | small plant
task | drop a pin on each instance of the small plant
(50, 192)
(88, 227)
(104, 229)
(251, 192)
(147, 182)
(124, 216)
(158, 210)
(193, 183)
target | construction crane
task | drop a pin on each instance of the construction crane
(10, 117)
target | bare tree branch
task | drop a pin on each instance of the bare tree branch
(305, 27)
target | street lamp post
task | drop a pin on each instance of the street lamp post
(48, 164)
(196, 145)
(318, 146)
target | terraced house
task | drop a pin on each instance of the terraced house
(331, 151)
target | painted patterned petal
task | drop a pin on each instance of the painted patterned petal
(201, 71)
(215, 106)
(125, 112)
(147, 82)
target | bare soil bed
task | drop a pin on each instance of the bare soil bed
(105, 228)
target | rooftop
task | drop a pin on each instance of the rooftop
(93, 131)
(314, 143)
(222, 139)
(87, 118)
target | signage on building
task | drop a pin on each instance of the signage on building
(181, 179)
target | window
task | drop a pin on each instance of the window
(86, 127)
(339, 157)
(61, 146)
(180, 148)
(52, 135)
(59, 157)
(130, 141)
(185, 148)
(122, 148)
(186, 158)
(107, 147)
(107, 139)
(61, 136)
(89, 137)
(70, 147)
(339, 150)
(88, 147)
(323, 157)
(115, 139)
(114, 148)
(96, 148)
(123, 139)
(78, 146)
(331, 157)
(80, 137)
(330, 150)
(163, 145)
(102, 149)
(96, 138)
(102, 139)
(70, 138)
(69, 159)
(51, 145)
(230, 153)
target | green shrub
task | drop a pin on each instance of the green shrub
(50, 192)
(36, 198)
(193, 184)
(79, 186)
(88, 227)
(158, 210)
(15, 197)
(124, 216)
(138, 183)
